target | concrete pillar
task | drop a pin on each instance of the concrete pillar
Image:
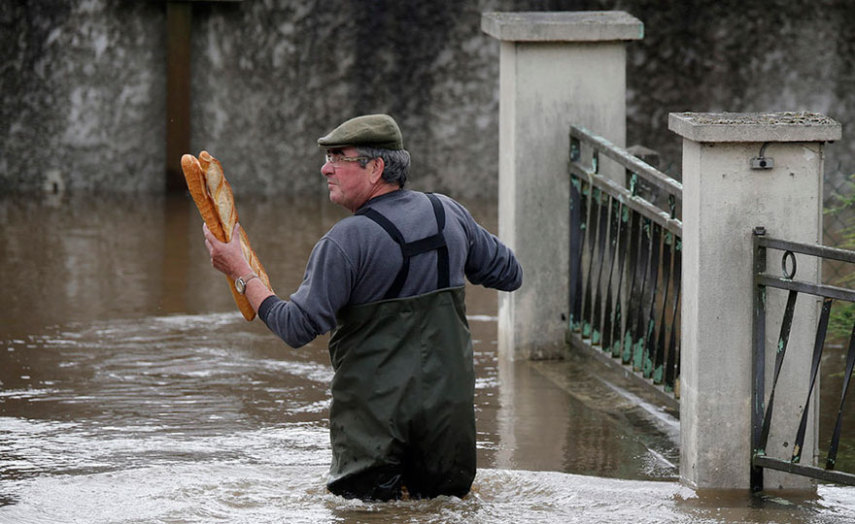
(556, 69)
(724, 198)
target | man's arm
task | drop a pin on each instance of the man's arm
(312, 309)
(228, 259)
(489, 262)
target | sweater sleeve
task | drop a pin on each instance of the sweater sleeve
(311, 310)
(489, 262)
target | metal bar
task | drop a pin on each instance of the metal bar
(575, 149)
(672, 366)
(636, 295)
(638, 334)
(597, 249)
(817, 356)
(655, 243)
(591, 244)
(783, 340)
(628, 161)
(587, 254)
(578, 211)
(577, 232)
(608, 313)
(816, 250)
(659, 354)
(617, 325)
(602, 242)
(835, 438)
(758, 360)
(634, 202)
(838, 477)
(820, 290)
(632, 289)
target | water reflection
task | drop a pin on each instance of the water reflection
(131, 390)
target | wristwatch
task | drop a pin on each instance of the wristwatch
(241, 282)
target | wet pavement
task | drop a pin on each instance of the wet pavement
(132, 391)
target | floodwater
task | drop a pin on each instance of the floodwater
(132, 391)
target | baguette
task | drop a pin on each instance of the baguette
(195, 179)
(213, 196)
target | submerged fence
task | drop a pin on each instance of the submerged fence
(762, 414)
(625, 263)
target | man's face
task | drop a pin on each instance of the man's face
(348, 182)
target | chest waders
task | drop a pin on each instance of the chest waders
(402, 408)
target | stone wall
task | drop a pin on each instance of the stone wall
(83, 94)
(743, 56)
(83, 83)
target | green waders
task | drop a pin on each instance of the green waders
(402, 410)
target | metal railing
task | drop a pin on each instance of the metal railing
(762, 415)
(625, 263)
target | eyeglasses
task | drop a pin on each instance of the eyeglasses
(338, 158)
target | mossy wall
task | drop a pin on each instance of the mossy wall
(83, 83)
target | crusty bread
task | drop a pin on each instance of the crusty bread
(196, 184)
(220, 192)
(213, 196)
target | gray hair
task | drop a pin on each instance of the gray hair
(397, 163)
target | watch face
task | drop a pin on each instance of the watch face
(240, 285)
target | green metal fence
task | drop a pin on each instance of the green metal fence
(762, 405)
(625, 263)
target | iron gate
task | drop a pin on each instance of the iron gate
(762, 414)
(625, 263)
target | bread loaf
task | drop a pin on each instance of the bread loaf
(213, 196)
(195, 179)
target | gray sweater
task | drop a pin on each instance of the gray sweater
(357, 261)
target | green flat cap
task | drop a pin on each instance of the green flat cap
(368, 130)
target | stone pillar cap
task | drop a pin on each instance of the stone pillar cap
(755, 127)
(562, 26)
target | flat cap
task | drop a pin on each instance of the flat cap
(379, 131)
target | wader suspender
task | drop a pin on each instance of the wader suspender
(409, 249)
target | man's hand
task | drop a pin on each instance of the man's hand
(227, 257)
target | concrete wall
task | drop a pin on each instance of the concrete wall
(83, 92)
(82, 82)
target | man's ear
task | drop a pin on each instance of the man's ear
(378, 166)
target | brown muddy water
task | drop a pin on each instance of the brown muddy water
(132, 391)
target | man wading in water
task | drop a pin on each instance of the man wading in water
(388, 281)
